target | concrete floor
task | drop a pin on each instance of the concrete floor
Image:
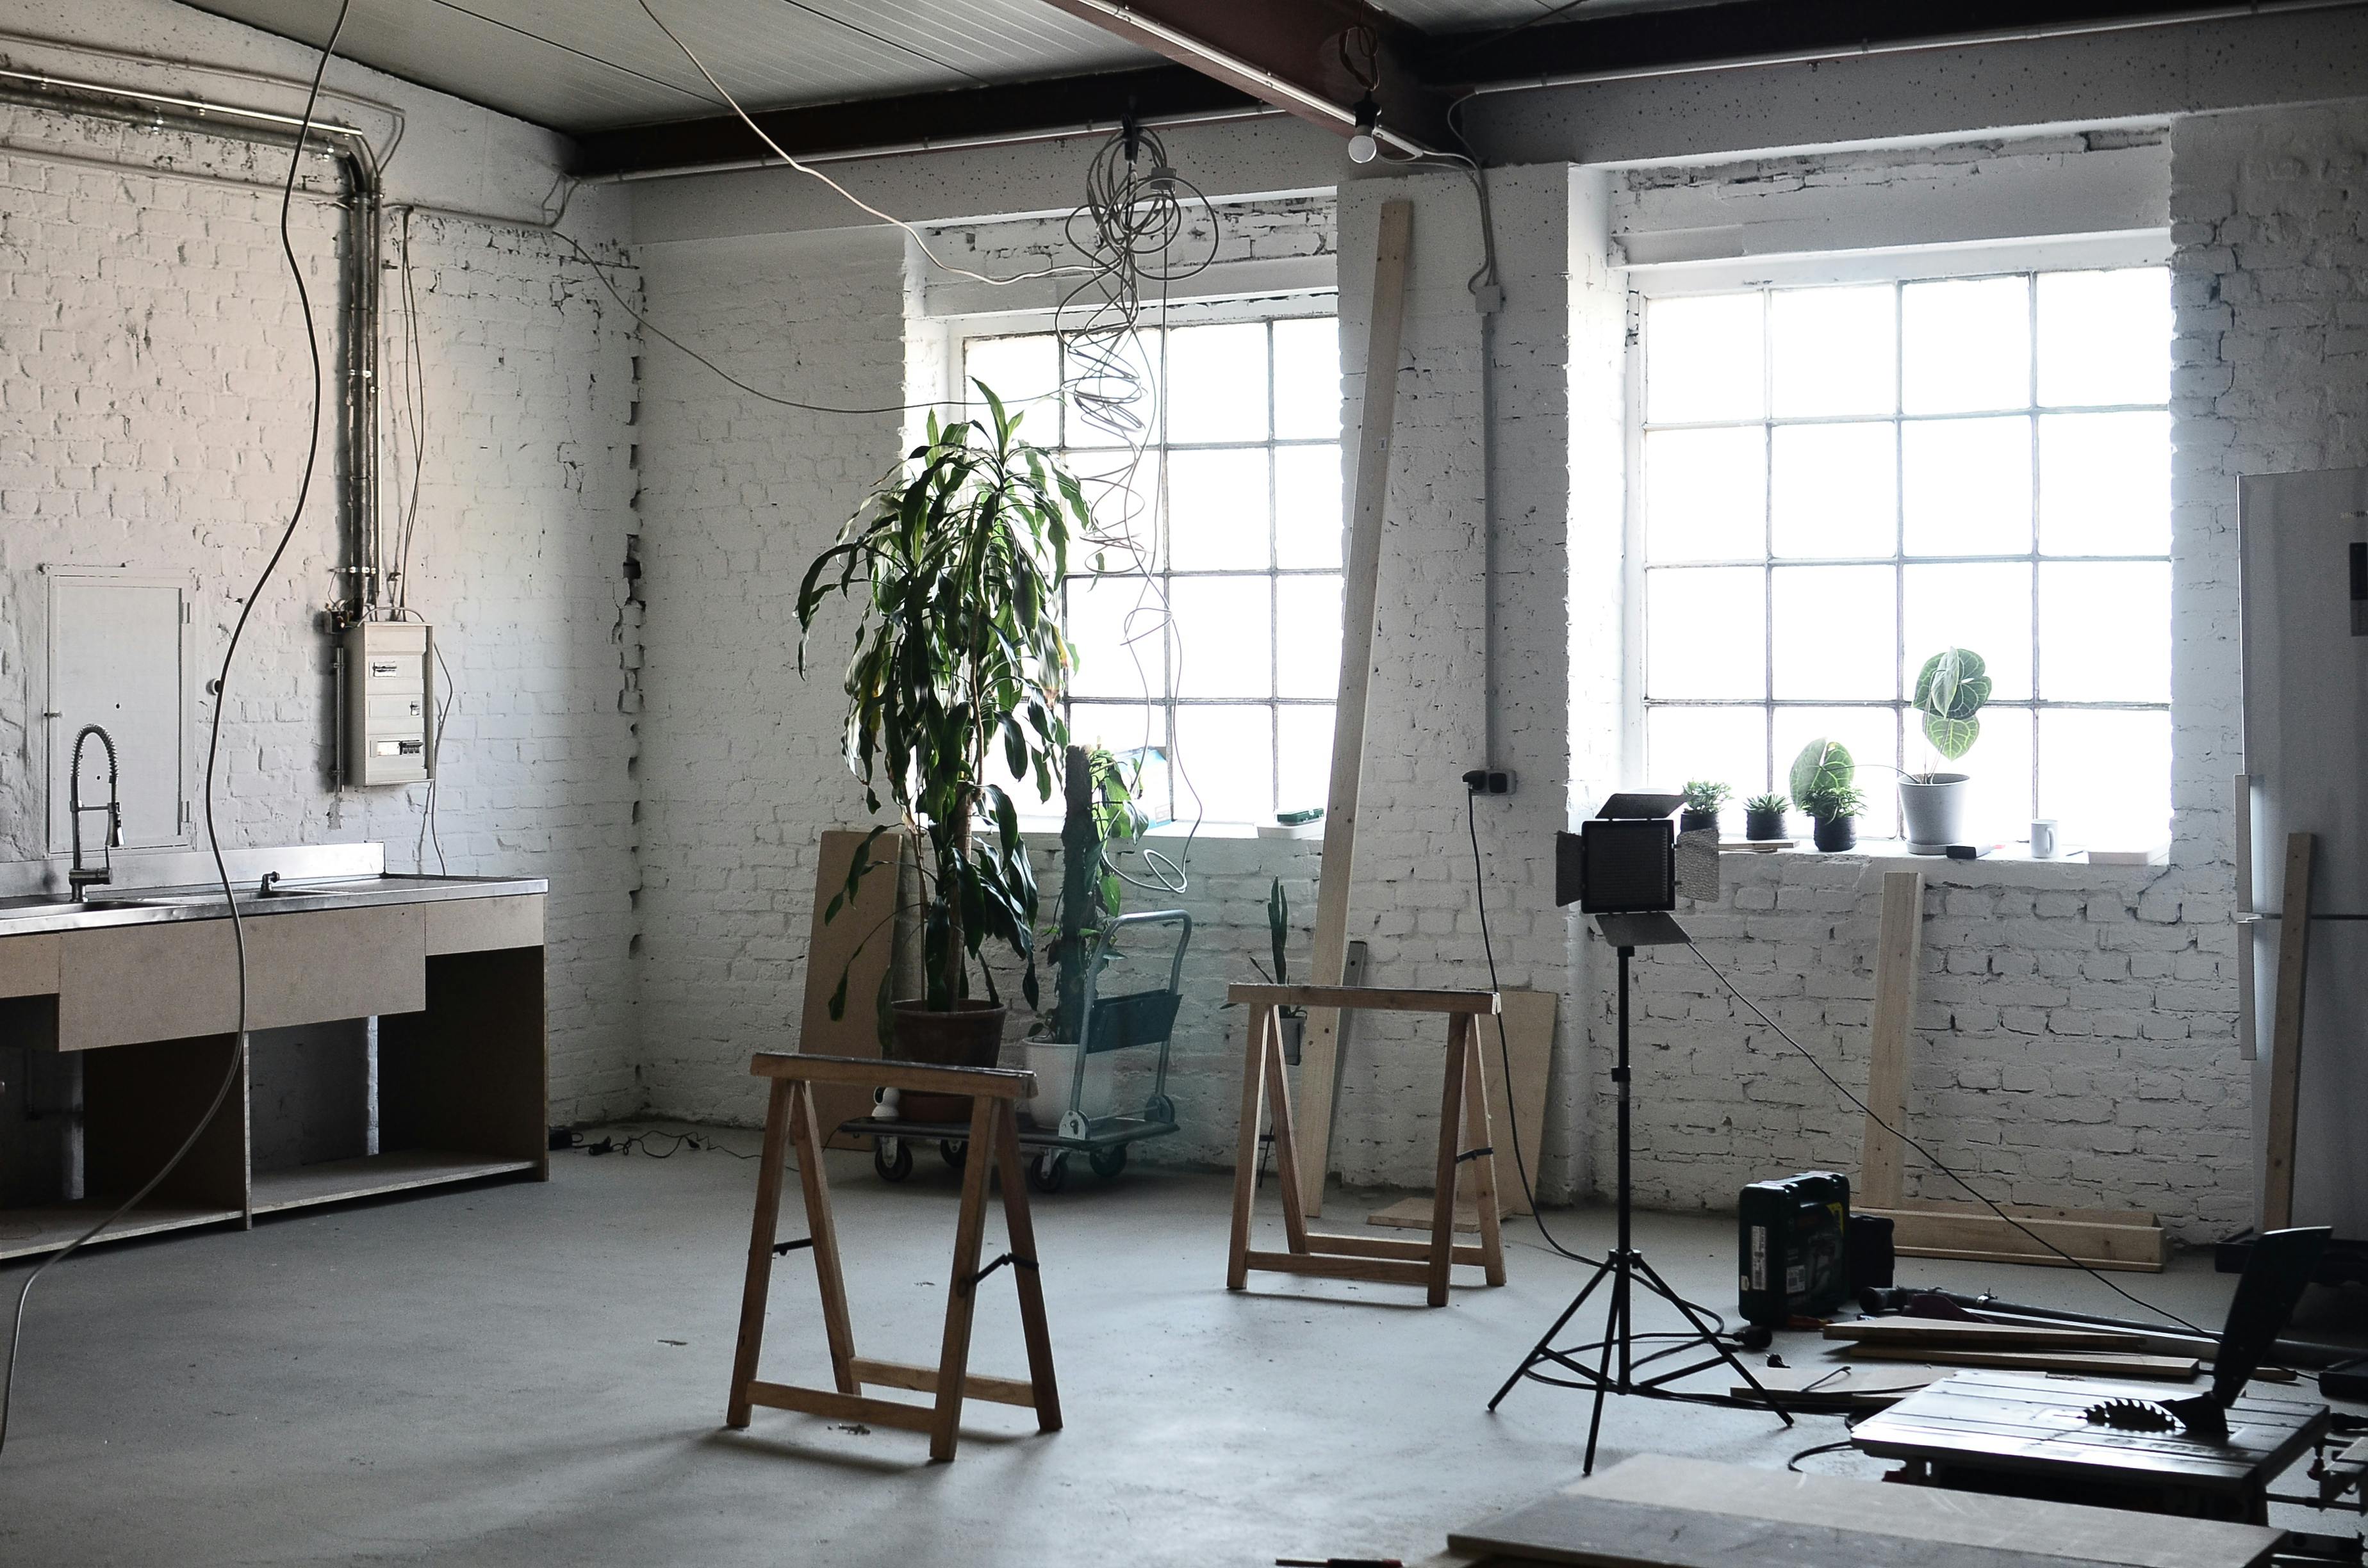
(530, 1373)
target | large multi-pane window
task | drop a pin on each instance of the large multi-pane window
(1212, 631)
(1838, 482)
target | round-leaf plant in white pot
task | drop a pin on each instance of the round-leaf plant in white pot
(1950, 693)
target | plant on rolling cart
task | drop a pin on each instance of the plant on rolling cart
(1763, 817)
(1099, 792)
(1702, 801)
(1950, 693)
(1824, 782)
(955, 563)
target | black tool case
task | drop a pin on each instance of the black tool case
(1793, 1260)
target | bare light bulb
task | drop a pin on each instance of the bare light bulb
(1364, 145)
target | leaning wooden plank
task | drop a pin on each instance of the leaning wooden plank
(2285, 1034)
(1980, 1336)
(1920, 1233)
(1882, 1165)
(2031, 1259)
(1694, 1489)
(1368, 503)
(2029, 1211)
(2089, 1363)
(1375, 998)
(858, 945)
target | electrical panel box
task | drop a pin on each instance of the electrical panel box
(389, 705)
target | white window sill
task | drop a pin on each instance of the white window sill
(2011, 862)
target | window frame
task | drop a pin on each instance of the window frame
(2025, 258)
(1264, 308)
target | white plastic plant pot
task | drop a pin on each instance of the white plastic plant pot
(1054, 1062)
(1294, 1033)
(1934, 807)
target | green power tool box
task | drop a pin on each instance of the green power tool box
(1794, 1254)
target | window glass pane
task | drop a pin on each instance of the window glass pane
(1308, 521)
(1727, 745)
(1983, 605)
(2104, 337)
(1836, 632)
(1835, 490)
(2104, 631)
(1832, 351)
(1225, 635)
(1307, 379)
(1872, 736)
(1307, 636)
(1966, 486)
(1997, 801)
(1303, 742)
(2104, 483)
(1217, 382)
(1117, 628)
(1124, 727)
(1217, 510)
(2105, 776)
(1705, 631)
(1025, 372)
(1110, 388)
(1703, 358)
(1226, 757)
(1965, 344)
(1704, 494)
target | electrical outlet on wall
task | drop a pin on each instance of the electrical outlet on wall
(1491, 782)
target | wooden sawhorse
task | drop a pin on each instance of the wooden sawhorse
(1463, 1109)
(994, 1144)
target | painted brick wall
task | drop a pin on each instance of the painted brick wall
(155, 367)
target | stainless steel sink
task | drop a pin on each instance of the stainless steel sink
(28, 905)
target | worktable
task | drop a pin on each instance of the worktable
(417, 1002)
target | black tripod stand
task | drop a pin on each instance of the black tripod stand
(1625, 1267)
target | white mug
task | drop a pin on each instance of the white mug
(2042, 840)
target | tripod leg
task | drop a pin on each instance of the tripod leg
(1538, 1351)
(1660, 1288)
(1616, 1332)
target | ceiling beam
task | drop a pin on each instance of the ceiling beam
(1288, 53)
(961, 117)
(1666, 42)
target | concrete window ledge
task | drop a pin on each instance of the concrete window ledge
(2011, 866)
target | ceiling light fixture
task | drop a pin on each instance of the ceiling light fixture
(1364, 145)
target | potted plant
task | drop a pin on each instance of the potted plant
(1277, 933)
(955, 563)
(1950, 693)
(1099, 789)
(1824, 784)
(1702, 801)
(1763, 817)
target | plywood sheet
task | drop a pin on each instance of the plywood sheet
(861, 945)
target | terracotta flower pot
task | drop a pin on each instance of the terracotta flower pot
(970, 1036)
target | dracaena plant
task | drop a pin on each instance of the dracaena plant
(954, 566)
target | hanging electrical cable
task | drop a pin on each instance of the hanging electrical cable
(213, 744)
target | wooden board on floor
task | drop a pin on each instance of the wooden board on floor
(1964, 1232)
(1529, 1020)
(829, 950)
(2085, 1363)
(1950, 1332)
(1360, 588)
(1658, 1512)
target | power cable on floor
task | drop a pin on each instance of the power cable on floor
(213, 744)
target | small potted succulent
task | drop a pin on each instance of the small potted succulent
(1950, 693)
(1763, 817)
(1824, 782)
(1702, 801)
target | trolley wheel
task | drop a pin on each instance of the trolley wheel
(1161, 1109)
(1049, 1172)
(893, 1158)
(952, 1150)
(1108, 1162)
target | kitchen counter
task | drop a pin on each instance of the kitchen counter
(28, 913)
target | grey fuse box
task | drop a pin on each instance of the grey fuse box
(388, 702)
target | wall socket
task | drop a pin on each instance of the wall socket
(1490, 781)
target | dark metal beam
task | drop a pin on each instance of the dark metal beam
(1290, 53)
(1644, 43)
(958, 117)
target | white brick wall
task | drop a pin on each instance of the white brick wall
(155, 367)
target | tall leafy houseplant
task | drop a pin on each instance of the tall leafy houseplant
(1951, 691)
(954, 564)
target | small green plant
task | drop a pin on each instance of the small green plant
(1827, 803)
(1278, 932)
(1702, 795)
(1822, 766)
(1950, 691)
(1767, 805)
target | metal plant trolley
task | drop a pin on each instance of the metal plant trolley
(1137, 1020)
